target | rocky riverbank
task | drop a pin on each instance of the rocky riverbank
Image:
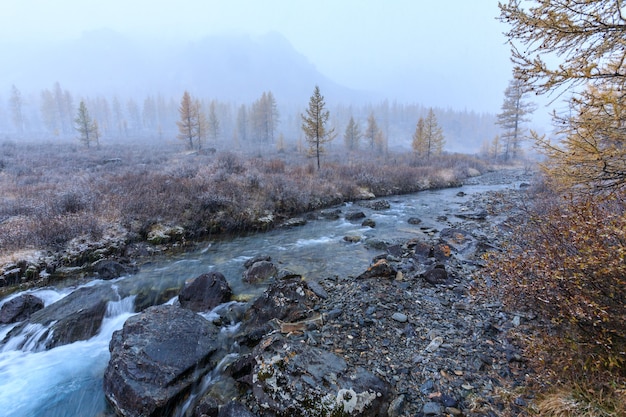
(404, 338)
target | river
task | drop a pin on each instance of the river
(67, 380)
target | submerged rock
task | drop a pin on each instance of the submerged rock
(155, 359)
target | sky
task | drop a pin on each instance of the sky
(441, 53)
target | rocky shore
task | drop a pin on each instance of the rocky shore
(404, 338)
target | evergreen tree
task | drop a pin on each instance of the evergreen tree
(314, 125)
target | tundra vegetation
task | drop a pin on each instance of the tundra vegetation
(566, 262)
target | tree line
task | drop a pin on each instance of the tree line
(50, 114)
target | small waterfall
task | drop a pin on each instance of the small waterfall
(63, 381)
(30, 339)
(208, 380)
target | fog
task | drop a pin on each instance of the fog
(449, 55)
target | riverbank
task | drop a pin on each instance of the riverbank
(412, 321)
(67, 212)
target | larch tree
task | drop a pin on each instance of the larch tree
(419, 143)
(352, 135)
(16, 105)
(264, 118)
(433, 139)
(213, 123)
(514, 114)
(203, 127)
(85, 126)
(560, 44)
(314, 125)
(372, 131)
(188, 122)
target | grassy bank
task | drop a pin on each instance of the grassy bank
(61, 196)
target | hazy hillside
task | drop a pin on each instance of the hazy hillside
(233, 68)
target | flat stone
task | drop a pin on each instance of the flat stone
(402, 318)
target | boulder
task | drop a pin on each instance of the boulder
(294, 222)
(260, 271)
(234, 409)
(108, 269)
(355, 215)
(20, 308)
(369, 223)
(155, 359)
(293, 378)
(436, 275)
(75, 317)
(331, 214)
(288, 300)
(381, 269)
(205, 292)
(414, 220)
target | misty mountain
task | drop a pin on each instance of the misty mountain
(230, 67)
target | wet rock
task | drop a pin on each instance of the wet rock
(108, 269)
(248, 263)
(352, 238)
(155, 358)
(436, 275)
(234, 409)
(477, 215)
(75, 317)
(355, 215)
(381, 269)
(260, 271)
(414, 220)
(294, 222)
(20, 308)
(330, 214)
(208, 407)
(292, 378)
(205, 292)
(375, 204)
(368, 223)
(288, 300)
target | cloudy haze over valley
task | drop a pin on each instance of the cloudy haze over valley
(446, 54)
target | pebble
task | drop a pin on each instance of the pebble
(434, 344)
(431, 409)
(400, 317)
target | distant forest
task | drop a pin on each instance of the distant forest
(50, 115)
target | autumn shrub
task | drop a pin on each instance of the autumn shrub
(567, 264)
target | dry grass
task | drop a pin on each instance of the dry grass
(581, 400)
(54, 193)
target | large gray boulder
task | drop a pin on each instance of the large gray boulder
(205, 292)
(155, 359)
